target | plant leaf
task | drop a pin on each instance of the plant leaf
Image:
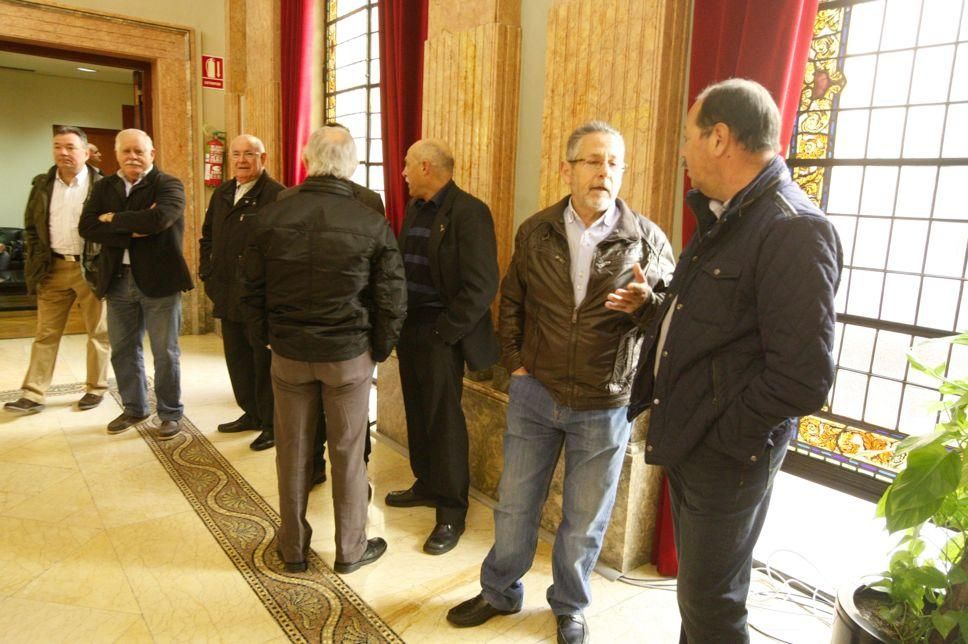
(916, 494)
(943, 622)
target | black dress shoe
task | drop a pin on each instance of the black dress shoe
(475, 612)
(168, 430)
(265, 440)
(572, 629)
(89, 401)
(409, 498)
(292, 566)
(241, 424)
(24, 406)
(443, 539)
(375, 548)
(123, 423)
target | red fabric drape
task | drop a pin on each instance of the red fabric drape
(296, 25)
(764, 40)
(403, 30)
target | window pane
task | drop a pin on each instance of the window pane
(872, 252)
(915, 191)
(956, 132)
(850, 135)
(932, 74)
(376, 177)
(884, 138)
(375, 99)
(889, 357)
(351, 27)
(939, 22)
(352, 102)
(900, 24)
(374, 19)
(865, 27)
(949, 201)
(844, 192)
(893, 77)
(900, 298)
(376, 127)
(349, 52)
(355, 123)
(375, 70)
(849, 390)
(351, 76)
(939, 299)
(845, 228)
(376, 151)
(840, 303)
(946, 250)
(916, 419)
(922, 134)
(360, 148)
(343, 7)
(880, 184)
(859, 70)
(858, 347)
(360, 175)
(959, 82)
(883, 402)
(907, 246)
(865, 293)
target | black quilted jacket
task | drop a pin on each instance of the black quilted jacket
(749, 346)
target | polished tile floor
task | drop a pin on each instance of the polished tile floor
(97, 544)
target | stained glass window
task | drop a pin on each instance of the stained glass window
(352, 82)
(881, 145)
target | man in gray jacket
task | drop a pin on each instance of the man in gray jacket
(53, 269)
(570, 349)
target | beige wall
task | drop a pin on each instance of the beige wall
(29, 104)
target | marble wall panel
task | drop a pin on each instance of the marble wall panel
(622, 61)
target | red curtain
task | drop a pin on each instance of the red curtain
(767, 41)
(297, 21)
(403, 30)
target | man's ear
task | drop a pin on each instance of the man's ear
(719, 139)
(565, 171)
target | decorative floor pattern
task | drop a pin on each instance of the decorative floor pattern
(315, 606)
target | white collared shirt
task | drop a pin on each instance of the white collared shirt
(242, 188)
(582, 243)
(66, 204)
(126, 260)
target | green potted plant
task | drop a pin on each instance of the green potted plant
(923, 596)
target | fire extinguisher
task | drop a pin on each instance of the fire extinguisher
(215, 159)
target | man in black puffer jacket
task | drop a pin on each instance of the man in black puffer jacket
(740, 348)
(324, 289)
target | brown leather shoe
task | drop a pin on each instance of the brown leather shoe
(24, 407)
(89, 401)
(168, 430)
(123, 423)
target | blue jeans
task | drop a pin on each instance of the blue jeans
(130, 313)
(718, 509)
(594, 442)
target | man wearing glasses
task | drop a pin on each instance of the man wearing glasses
(222, 243)
(570, 348)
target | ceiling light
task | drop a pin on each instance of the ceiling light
(87, 69)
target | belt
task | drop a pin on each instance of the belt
(69, 258)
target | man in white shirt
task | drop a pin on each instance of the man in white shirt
(53, 270)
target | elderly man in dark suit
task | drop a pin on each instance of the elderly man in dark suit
(138, 217)
(220, 248)
(450, 255)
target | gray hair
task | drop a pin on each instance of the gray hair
(70, 129)
(746, 108)
(331, 151)
(132, 132)
(254, 140)
(591, 127)
(436, 152)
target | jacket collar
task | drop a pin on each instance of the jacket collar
(253, 193)
(626, 229)
(773, 175)
(327, 184)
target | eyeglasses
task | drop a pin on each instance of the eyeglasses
(247, 155)
(596, 164)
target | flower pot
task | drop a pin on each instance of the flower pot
(851, 624)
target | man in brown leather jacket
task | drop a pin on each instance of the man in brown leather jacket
(571, 350)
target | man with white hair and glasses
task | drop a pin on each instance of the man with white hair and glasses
(324, 289)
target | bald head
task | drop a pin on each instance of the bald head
(248, 157)
(428, 166)
(331, 151)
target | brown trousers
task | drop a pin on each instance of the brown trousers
(343, 390)
(55, 297)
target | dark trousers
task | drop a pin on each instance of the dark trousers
(249, 372)
(304, 390)
(718, 509)
(432, 379)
